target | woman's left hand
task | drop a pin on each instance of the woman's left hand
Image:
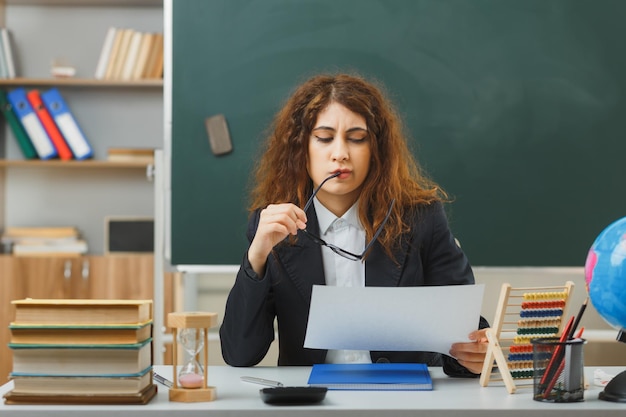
(472, 354)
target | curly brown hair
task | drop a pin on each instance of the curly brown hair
(281, 174)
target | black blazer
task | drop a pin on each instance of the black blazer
(428, 255)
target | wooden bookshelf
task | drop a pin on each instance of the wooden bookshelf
(113, 114)
(79, 82)
(72, 164)
(149, 3)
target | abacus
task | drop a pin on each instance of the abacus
(522, 314)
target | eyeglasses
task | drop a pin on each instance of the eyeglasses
(339, 251)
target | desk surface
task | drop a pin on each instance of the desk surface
(450, 397)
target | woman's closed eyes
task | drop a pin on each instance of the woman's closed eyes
(326, 134)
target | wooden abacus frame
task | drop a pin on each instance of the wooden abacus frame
(504, 332)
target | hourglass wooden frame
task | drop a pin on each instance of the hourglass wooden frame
(191, 320)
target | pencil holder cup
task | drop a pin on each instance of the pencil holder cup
(558, 370)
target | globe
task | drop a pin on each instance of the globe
(605, 274)
(605, 278)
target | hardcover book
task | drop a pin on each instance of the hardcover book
(113, 55)
(122, 53)
(105, 53)
(4, 70)
(76, 311)
(97, 385)
(8, 52)
(41, 232)
(142, 397)
(50, 247)
(78, 360)
(131, 57)
(144, 155)
(154, 62)
(80, 334)
(142, 57)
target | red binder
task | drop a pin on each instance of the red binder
(48, 123)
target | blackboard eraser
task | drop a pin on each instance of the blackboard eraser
(219, 136)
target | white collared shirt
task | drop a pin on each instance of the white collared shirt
(348, 233)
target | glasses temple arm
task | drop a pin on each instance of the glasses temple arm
(308, 203)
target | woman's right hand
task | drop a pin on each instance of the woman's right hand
(277, 221)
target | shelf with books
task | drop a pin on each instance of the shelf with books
(112, 114)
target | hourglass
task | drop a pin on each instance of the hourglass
(190, 331)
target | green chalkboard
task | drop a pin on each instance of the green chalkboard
(516, 107)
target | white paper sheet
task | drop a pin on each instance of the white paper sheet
(393, 318)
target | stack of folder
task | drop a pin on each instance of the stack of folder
(81, 352)
(43, 125)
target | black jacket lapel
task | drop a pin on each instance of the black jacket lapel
(382, 271)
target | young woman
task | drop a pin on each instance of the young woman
(339, 200)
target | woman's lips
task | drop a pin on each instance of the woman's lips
(343, 173)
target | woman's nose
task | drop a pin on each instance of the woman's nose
(340, 150)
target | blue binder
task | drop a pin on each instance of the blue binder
(67, 124)
(31, 123)
(372, 376)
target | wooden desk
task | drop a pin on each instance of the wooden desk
(450, 397)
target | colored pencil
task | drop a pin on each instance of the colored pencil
(547, 376)
(578, 317)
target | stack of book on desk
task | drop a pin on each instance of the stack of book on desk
(44, 241)
(81, 352)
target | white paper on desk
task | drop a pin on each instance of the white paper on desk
(426, 319)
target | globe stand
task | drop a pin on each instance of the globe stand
(615, 390)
